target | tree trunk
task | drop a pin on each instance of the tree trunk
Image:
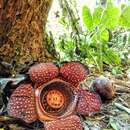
(22, 31)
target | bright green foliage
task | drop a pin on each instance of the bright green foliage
(104, 21)
(111, 57)
(110, 17)
(87, 18)
(125, 17)
(103, 34)
(97, 16)
(67, 49)
(105, 39)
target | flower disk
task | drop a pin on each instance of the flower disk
(88, 102)
(68, 123)
(74, 72)
(43, 72)
(55, 100)
(22, 103)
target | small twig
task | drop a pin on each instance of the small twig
(121, 83)
(121, 107)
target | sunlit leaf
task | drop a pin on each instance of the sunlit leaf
(111, 57)
(97, 16)
(87, 18)
(110, 18)
(102, 35)
(125, 17)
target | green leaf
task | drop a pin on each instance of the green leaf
(111, 57)
(87, 18)
(125, 17)
(116, 70)
(102, 35)
(114, 124)
(97, 16)
(110, 18)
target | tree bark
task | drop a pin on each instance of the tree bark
(22, 30)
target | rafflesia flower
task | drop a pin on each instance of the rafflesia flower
(54, 97)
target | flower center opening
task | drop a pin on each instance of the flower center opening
(55, 99)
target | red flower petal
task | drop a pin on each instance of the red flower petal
(74, 72)
(88, 102)
(69, 123)
(22, 103)
(43, 72)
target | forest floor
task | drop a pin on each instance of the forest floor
(115, 114)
